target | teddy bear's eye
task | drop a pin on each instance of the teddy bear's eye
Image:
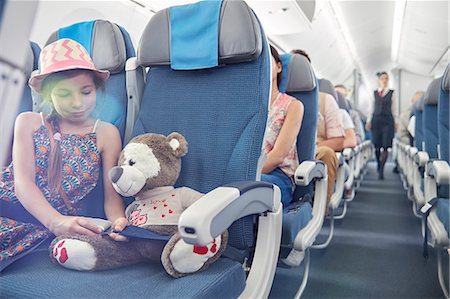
(131, 162)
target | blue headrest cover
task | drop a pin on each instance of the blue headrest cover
(297, 74)
(194, 35)
(107, 49)
(240, 38)
(446, 78)
(432, 93)
(327, 87)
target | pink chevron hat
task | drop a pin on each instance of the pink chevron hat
(62, 55)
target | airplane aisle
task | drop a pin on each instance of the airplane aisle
(376, 250)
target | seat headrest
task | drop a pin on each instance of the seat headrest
(32, 59)
(298, 74)
(446, 78)
(342, 101)
(420, 103)
(102, 39)
(239, 36)
(432, 93)
(327, 87)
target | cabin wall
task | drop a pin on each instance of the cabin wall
(409, 84)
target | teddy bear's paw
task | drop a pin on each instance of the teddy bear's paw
(74, 254)
(186, 258)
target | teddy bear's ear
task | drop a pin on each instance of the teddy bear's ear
(178, 144)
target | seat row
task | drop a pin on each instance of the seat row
(161, 88)
(424, 168)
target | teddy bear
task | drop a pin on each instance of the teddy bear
(148, 168)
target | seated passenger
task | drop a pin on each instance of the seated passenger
(349, 126)
(404, 134)
(330, 134)
(57, 157)
(283, 125)
(357, 121)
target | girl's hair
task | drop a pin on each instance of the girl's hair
(379, 74)
(55, 158)
(277, 58)
(301, 52)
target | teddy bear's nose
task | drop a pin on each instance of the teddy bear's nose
(115, 173)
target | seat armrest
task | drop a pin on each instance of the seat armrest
(308, 171)
(317, 171)
(214, 212)
(348, 153)
(439, 170)
(412, 151)
(421, 158)
(340, 158)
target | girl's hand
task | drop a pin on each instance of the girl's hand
(119, 225)
(368, 126)
(73, 225)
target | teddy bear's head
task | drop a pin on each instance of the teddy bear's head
(148, 161)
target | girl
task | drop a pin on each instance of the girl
(283, 125)
(381, 119)
(57, 157)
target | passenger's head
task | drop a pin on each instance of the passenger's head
(342, 89)
(383, 79)
(301, 52)
(277, 66)
(417, 95)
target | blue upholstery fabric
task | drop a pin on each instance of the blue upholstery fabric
(222, 113)
(418, 130)
(194, 35)
(79, 32)
(430, 130)
(443, 123)
(40, 278)
(443, 213)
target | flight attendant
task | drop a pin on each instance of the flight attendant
(381, 120)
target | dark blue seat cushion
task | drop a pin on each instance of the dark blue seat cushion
(224, 279)
(430, 130)
(295, 217)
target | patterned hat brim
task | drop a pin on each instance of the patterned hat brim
(35, 81)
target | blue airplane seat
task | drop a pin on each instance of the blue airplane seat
(299, 81)
(443, 207)
(429, 119)
(219, 106)
(301, 222)
(418, 129)
(437, 181)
